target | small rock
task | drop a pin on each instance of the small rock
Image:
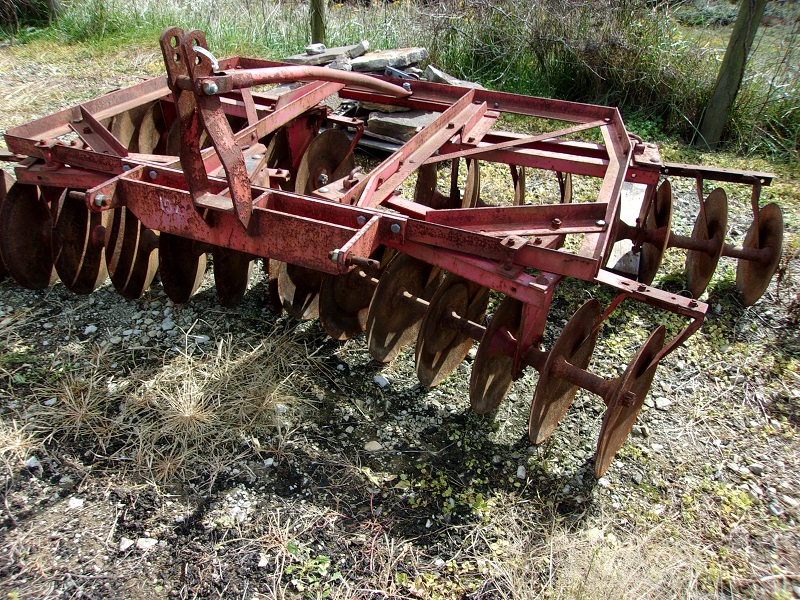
(269, 462)
(373, 446)
(637, 478)
(603, 482)
(33, 463)
(125, 543)
(473, 352)
(342, 63)
(657, 447)
(75, 503)
(115, 340)
(340, 367)
(262, 560)
(791, 502)
(47, 326)
(756, 469)
(202, 339)
(167, 324)
(50, 401)
(66, 482)
(145, 544)
(594, 535)
(648, 402)
(775, 510)
(662, 403)
(521, 472)
(315, 48)
(381, 381)
(281, 409)
(738, 380)
(127, 332)
(438, 563)
(89, 329)
(349, 429)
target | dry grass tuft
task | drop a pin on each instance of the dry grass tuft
(16, 444)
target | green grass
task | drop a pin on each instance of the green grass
(658, 66)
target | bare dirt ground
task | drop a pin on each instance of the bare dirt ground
(160, 451)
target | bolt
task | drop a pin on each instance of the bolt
(100, 200)
(407, 87)
(693, 304)
(153, 174)
(555, 223)
(126, 168)
(323, 190)
(600, 223)
(395, 228)
(256, 157)
(335, 255)
(361, 220)
(322, 179)
(537, 241)
(210, 88)
(641, 288)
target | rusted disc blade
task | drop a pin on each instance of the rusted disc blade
(620, 417)
(271, 269)
(700, 266)
(6, 181)
(752, 277)
(492, 372)
(659, 217)
(472, 189)
(440, 346)
(126, 125)
(394, 316)
(518, 177)
(298, 288)
(181, 266)
(326, 159)
(565, 187)
(79, 245)
(553, 394)
(278, 155)
(231, 275)
(344, 301)
(25, 237)
(131, 254)
(151, 130)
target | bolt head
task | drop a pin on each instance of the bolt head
(335, 255)
(361, 220)
(153, 174)
(210, 88)
(407, 87)
(323, 190)
(100, 200)
(323, 179)
(395, 228)
(600, 223)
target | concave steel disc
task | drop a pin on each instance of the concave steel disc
(231, 275)
(181, 266)
(518, 177)
(79, 245)
(619, 418)
(25, 237)
(441, 347)
(326, 159)
(278, 155)
(700, 266)
(427, 194)
(565, 187)
(271, 270)
(553, 394)
(472, 188)
(659, 217)
(6, 181)
(125, 126)
(753, 277)
(393, 319)
(131, 254)
(345, 299)
(492, 371)
(152, 129)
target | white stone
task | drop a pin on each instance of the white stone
(381, 380)
(33, 463)
(262, 560)
(373, 446)
(89, 329)
(521, 472)
(145, 544)
(663, 403)
(75, 503)
(125, 543)
(167, 324)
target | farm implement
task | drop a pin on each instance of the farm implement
(207, 161)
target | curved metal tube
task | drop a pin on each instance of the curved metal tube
(251, 77)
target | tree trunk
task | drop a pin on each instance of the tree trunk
(317, 9)
(730, 74)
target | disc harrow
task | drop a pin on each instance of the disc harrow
(160, 175)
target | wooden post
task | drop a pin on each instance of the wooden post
(317, 10)
(730, 74)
